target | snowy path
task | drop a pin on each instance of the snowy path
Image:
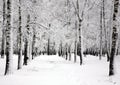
(53, 70)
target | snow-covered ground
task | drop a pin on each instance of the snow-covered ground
(54, 70)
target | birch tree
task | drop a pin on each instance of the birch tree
(114, 38)
(33, 44)
(20, 39)
(3, 30)
(101, 29)
(27, 43)
(9, 47)
(80, 19)
(75, 49)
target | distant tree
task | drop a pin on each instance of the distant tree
(66, 51)
(69, 51)
(34, 40)
(33, 45)
(101, 31)
(48, 47)
(75, 48)
(60, 49)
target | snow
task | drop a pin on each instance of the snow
(54, 70)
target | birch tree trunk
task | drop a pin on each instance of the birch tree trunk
(25, 62)
(20, 40)
(30, 49)
(48, 47)
(33, 44)
(75, 52)
(3, 45)
(105, 31)
(75, 49)
(34, 39)
(61, 49)
(66, 52)
(69, 51)
(26, 47)
(101, 33)
(79, 30)
(9, 47)
(114, 38)
(28, 36)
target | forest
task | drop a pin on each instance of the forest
(60, 32)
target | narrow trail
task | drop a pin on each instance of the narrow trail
(54, 70)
